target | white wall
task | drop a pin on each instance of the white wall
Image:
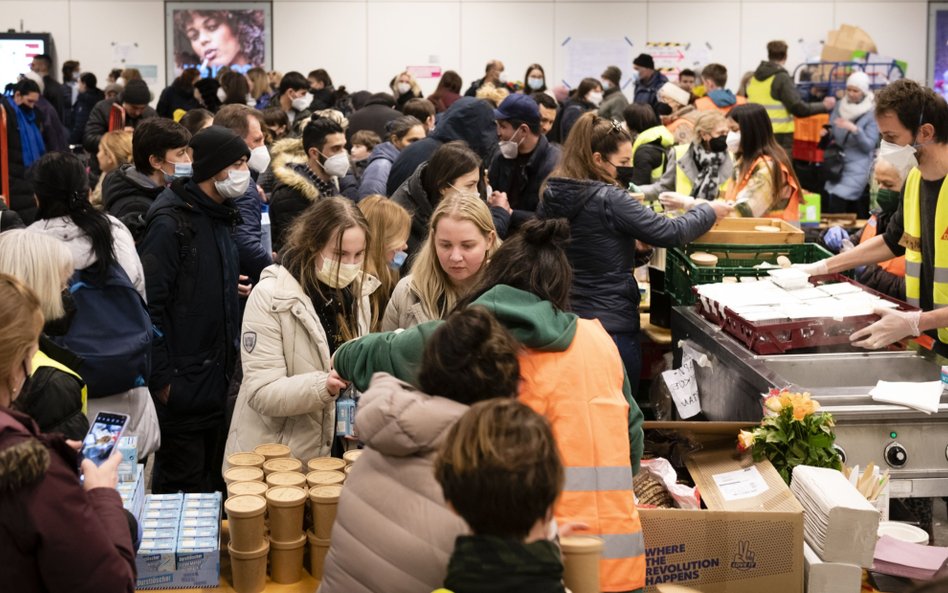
(363, 43)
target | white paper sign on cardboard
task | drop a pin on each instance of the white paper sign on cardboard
(740, 484)
(684, 388)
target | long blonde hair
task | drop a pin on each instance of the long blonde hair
(325, 221)
(390, 224)
(428, 279)
(40, 262)
(21, 319)
(118, 143)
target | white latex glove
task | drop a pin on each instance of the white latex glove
(675, 201)
(815, 269)
(892, 326)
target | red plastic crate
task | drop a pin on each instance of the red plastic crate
(807, 151)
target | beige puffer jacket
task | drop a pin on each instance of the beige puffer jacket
(393, 532)
(404, 310)
(285, 357)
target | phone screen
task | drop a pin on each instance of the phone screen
(103, 436)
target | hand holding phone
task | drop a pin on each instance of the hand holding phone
(103, 436)
(101, 476)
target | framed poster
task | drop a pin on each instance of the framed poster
(211, 35)
(938, 47)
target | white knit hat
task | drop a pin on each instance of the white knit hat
(859, 80)
(675, 93)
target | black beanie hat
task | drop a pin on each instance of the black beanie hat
(136, 93)
(645, 61)
(215, 148)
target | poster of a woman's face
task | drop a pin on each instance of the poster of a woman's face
(210, 37)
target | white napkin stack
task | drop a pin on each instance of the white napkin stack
(924, 396)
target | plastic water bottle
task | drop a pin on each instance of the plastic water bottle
(266, 239)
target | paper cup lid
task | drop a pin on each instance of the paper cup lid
(286, 479)
(238, 488)
(702, 257)
(325, 463)
(271, 450)
(325, 493)
(245, 505)
(351, 456)
(282, 464)
(325, 478)
(767, 228)
(244, 459)
(317, 541)
(293, 545)
(286, 496)
(581, 544)
(243, 474)
(238, 555)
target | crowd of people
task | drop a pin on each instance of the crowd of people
(264, 244)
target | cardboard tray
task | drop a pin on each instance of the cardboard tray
(740, 231)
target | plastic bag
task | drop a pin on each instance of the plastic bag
(685, 497)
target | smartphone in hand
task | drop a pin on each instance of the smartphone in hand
(103, 436)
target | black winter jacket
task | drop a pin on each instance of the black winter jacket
(80, 113)
(605, 223)
(98, 124)
(54, 398)
(647, 158)
(251, 253)
(573, 109)
(372, 117)
(175, 97)
(470, 120)
(190, 263)
(521, 182)
(127, 195)
(294, 193)
(21, 190)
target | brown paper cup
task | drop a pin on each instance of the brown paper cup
(318, 548)
(238, 488)
(243, 474)
(324, 501)
(245, 515)
(249, 569)
(272, 450)
(351, 456)
(325, 463)
(285, 505)
(286, 560)
(294, 479)
(581, 563)
(324, 478)
(245, 460)
(282, 464)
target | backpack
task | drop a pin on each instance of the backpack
(111, 331)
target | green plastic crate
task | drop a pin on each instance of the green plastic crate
(681, 274)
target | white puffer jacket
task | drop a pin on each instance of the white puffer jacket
(285, 358)
(404, 309)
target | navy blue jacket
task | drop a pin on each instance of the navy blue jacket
(253, 256)
(377, 168)
(647, 92)
(604, 224)
(505, 174)
(190, 262)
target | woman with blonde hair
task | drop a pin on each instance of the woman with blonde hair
(389, 224)
(55, 395)
(461, 239)
(302, 309)
(259, 84)
(404, 89)
(115, 150)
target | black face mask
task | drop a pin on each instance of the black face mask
(663, 109)
(26, 110)
(624, 176)
(60, 327)
(718, 144)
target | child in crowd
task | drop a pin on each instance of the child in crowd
(500, 470)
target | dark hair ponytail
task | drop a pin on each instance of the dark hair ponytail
(62, 189)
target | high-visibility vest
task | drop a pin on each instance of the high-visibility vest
(790, 212)
(912, 226)
(759, 91)
(42, 360)
(683, 184)
(894, 266)
(651, 135)
(580, 392)
(706, 104)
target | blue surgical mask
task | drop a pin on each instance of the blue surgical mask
(399, 260)
(180, 170)
(635, 76)
(535, 83)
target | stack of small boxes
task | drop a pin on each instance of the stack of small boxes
(131, 486)
(180, 541)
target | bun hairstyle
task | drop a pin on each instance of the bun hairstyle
(471, 357)
(534, 260)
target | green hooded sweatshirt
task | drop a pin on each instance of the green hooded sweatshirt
(535, 323)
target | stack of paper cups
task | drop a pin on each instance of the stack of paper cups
(581, 563)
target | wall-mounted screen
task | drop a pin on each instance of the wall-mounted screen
(17, 51)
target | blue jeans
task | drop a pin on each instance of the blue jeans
(630, 350)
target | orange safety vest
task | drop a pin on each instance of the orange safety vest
(894, 266)
(791, 212)
(580, 392)
(706, 104)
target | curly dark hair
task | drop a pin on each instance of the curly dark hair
(247, 25)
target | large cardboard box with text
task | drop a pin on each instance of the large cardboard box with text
(744, 545)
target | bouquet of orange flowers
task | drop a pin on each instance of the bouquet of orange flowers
(792, 433)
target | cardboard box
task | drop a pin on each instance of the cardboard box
(750, 538)
(840, 44)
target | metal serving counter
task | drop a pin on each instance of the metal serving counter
(912, 444)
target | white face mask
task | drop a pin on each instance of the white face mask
(535, 83)
(901, 157)
(733, 141)
(635, 76)
(594, 97)
(337, 165)
(259, 159)
(510, 148)
(221, 95)
(403, 87)
(120, 81)
(336, 275)
(502, 78)
(235, 185)
(301, 103)
(606, 85)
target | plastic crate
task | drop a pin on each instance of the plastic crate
(807, 151)
(808, 129)
(733, 260)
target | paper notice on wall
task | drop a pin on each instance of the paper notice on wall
(683, 387)
(587, 58)
(740, 484)
(124, 54)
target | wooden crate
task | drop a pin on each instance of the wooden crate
(741, 231)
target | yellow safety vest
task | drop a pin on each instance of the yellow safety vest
(759, 91)
(683, 184)
(912, 227)
(651, 135)
(41, 360)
